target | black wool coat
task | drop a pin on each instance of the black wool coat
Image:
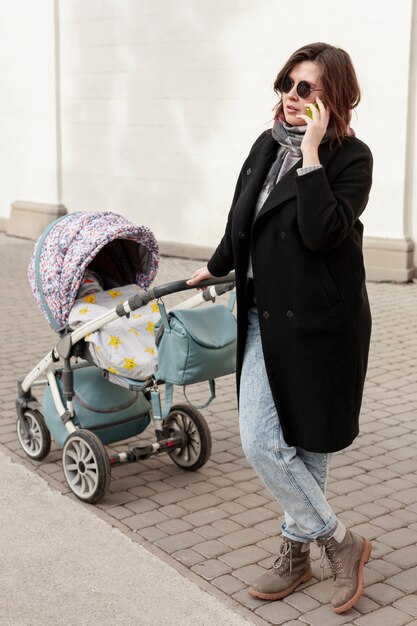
(309, 281)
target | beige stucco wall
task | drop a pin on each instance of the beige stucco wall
(148, 108)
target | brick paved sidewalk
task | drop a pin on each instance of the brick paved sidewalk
(220, 523)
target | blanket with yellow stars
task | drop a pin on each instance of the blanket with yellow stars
(125, 346)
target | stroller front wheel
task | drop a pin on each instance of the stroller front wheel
(86, 465)
(197, 449)
(33, 434)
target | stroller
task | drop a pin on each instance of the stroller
(86, 406)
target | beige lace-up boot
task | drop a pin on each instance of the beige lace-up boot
(346, 560)
(291, 568)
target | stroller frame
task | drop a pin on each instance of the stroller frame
(180, 431)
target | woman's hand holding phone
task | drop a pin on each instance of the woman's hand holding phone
(316, 129)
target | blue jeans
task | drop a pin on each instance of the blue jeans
(295, 477)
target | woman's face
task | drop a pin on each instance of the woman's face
(293, 104)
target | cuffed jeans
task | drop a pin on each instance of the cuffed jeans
(295, 477)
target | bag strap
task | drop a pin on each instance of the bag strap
(212, 385)
(164, 316)
(158, 412)
(232, 300)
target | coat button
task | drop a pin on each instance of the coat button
(242, 234)
(248, 171)
(283, 235)
(289, 313)
(265, 315)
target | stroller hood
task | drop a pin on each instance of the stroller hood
(112, 246)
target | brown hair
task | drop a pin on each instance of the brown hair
(341, 92)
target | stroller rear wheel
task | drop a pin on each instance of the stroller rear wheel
(33, 434)
(86, 465)
(196, 452)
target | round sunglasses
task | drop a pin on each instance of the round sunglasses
(303, 89)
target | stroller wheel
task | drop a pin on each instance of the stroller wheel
(33, 434)
(197, 450)
(86, 465)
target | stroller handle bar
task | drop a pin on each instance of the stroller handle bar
(222, 285)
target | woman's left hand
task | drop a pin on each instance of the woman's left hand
(316, 129)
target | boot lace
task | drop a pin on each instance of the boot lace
(335, 562)
(284, 556)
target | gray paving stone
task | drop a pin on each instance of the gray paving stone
(228, 584)
(199, 503)
(120, 512)
(232, 508)
(205, 516)
(404, 558)
(180, 541)
(405, 581)
(188, 557)
(249, 573)
(173, 510)
(366, 605)
(301, 601)
(388, 616)
(321, 591)
(211, 549)
(244, 556)
(251, 500)
(142, 491)
(244, 537)
(407, 604)
(277, 612)
(151, 533)
(125, 484)
(211, 569)
(383, 567)
(325, 615)
(141, 506)
(388, 522)
(115, 499)
(229, 493)
(379, 549)
(247, 600)
(254, 516)
(382, 594)
(201, 488)
(142, 520)
(408, 496)
(271, 544)
(174, 526)
(226, 526)
(370, 531)
(372, 576)
(172, 496)
(400, 538)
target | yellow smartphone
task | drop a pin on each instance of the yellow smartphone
(309, 112)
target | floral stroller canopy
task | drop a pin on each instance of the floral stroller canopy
(109, 244)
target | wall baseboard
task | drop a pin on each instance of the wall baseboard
(29, 219)
(385, 259)
(389, 259)
(185, 250)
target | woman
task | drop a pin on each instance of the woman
(294, 238)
